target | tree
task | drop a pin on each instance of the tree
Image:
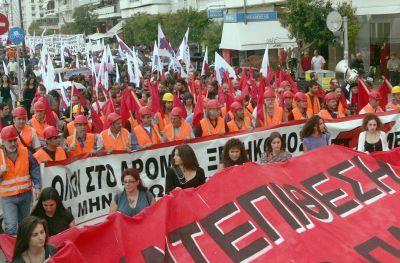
(353, 26)
(68, 28)
(84, 21)
(212, 38)
(141, 29)
(34, 28)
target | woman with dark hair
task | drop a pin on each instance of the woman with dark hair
(29, 93)
(233, 153)
(5, 89)
(185, 171)
(31, 245)
(134, 198)
(372, 139)
(314, 134)
(188, 101)
(274, 150)
(50, 208)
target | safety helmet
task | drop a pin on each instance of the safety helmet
(50, 132)
(300, 96)
(20, 112)
(269, 94)
(76, 108)
(176, 111)
(213, 104)
(235, 106)
(288, 95)
(9, 133)
(330, 96)
(145, 111)
(39, 106)
(168, 97)
(113, 117)
(396, 89)
(80, 119)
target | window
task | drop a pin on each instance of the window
(379, 32)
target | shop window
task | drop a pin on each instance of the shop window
(379, 32)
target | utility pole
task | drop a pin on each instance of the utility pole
(245, 11)
(346, 41)
(22, 27)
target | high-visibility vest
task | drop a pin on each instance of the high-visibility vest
(233, 126)
(143, 139)
(392, 106)
(341, 109)
(39, 127)
(133, 122)
(71, 127)
(209, 129)
(162, 121)
(16, 180)
(297, 115)
(87, 147)
(276, 117)
(119, 144)
(368, 109)
(326, 115)
(184, 132)
(313, 105)
(223, 112)
(27, 135)
(41, 155)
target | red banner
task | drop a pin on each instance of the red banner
(329, 205)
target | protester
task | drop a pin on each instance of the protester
(393, 66)
(330, 111)
(32, 242)
(314, 134)
(271, 111)
(178, 129)
(317, 61)
(287, 104)
(373, 104)
(185, 171)
(27, 135)
(301, 111)
(305, 61)
(274, 150)
(134, 198)
(81, 142)
(395, 103)
(212, 123)
(5, 90)
(233, 153)
(115, 138)
(50, 208)
(52, 151)
(38, 120)
(313, 101)
(239, 122)
(358, 64)
(146, 134)
(6, 118)
(29, 92)
(372, 139)
(18, 169)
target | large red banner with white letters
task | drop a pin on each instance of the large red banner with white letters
(329, 205)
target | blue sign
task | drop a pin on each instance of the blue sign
(251, 17)
(215, 13)
(16, 35)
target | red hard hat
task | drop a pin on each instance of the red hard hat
(80, 119)
(269, 94)
(288, 95)
(238, 99)
(145, 111)
(375, 95)
(213, 104)
(9, 133)
(235, 106)
(50, 131)
(39, 106)
(330, 96)
(176, 111)
(285, 83)
(20, 112)
(300, 96)
(113, 117)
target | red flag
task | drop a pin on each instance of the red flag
(260, 102)
(384, 90)
(50, 119)
(108, 107)
(96, 121)
(198, 112)
(293, 84)
(363, 96)
(243, 80)
(178, 103)
(128, 105)
(155, 99)
(279, 76)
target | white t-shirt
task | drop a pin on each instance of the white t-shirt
(318, 62)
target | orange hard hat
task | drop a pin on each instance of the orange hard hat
(375, 95)
(330, 96)
(50, 132)
(288, 95)
(39, 106)
(113, 117)
(213, 104)
(300, 96)
(9, 133)
(20, 112)
(176, 111)
(235, 106)
(269, 94)
(145, 111)
(80, 119)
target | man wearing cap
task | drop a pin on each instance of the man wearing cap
(301, 110)
(239, 122)
(395, 103)
(178, 129)
(271, 111)
(18, 169)
(146, 134)
(71, 125)
(38, 120)
(330, 110)
(212, 123)
(373, 104)
(287, 104)
(26, 134)
(115, 138)
(52, 151)
(168, 104)
(81, 141)
(285, 85)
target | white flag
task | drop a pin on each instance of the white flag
(205, 67)
(221, 66)
(156, 62)
(265, 64)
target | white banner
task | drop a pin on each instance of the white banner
(88, 185)
(75, 43)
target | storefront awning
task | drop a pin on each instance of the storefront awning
(255, 36)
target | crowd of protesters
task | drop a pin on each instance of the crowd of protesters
(41, 127)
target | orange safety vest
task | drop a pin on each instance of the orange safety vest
(41, 155)
(392, 106)
(223, 112)
(119, 144)
(162, 121)
(341, 109)
(16, 180)
(87, 148)
(313, 105)
(184, 132)
(143, 138)
(209, 129)
(368, 109)
(133, 122)
(39, 127)
(325, 114)
(276, 118)
(26, 135)
(297, 115)
(233, 126)
(71, 127)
